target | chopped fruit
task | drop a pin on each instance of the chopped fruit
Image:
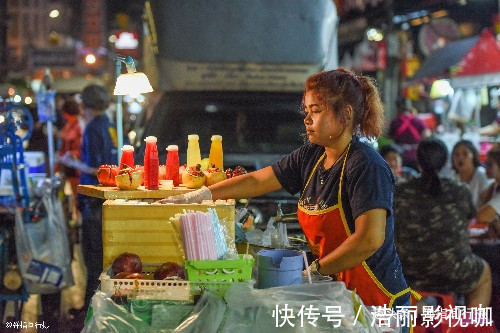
(106, 174)
(214, 175)
(193, 177)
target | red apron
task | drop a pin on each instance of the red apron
(325, 230)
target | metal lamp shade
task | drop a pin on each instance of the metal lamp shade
(132, 84)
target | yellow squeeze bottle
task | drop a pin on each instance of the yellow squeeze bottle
(216, 155)
(193, 150)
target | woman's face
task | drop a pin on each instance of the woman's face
(394, 161)
(492, 168)
(322, 127)
(463, 159)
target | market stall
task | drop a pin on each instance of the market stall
(176, 266)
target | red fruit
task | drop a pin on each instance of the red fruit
(238, 171)
(106, 174)
(127, 262)
(195, 171)
(121, 275)
(229, 173)
(214, 175)
(169, 269)
(193, 177)
(134, 276)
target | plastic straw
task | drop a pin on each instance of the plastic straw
(307, 267)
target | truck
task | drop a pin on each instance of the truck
(236, 68)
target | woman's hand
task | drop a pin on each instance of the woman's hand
(188, 198)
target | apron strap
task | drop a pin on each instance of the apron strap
(413, 293)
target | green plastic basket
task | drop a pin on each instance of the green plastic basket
(217, 275)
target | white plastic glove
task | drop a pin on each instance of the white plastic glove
(188, 198)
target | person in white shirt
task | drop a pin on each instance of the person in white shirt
(468, 169)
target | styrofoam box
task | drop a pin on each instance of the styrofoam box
(143, 228)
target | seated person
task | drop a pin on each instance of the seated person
(489, 212)
(392, 155)
(431, 215)
(468, 169)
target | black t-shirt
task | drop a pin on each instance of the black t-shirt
(368, 184)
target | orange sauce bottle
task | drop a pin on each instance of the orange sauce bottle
(216, 155)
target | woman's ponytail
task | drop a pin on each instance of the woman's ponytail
(432, 155)
(372, 120)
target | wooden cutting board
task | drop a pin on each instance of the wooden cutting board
(107, 192)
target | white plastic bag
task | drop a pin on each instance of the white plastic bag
(205, 317)
(43, 251)
(251, 310)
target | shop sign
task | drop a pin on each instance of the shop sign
(126, 40)
(195, 76)
(53, 58)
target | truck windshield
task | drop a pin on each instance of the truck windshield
(249, 123)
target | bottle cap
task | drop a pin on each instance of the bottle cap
(193, 137)
(216, 137)
(127, 147)
(151, 138)
(172, 147)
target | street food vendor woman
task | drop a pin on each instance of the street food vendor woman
(346, 188)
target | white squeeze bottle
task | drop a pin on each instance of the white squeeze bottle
(193, 150)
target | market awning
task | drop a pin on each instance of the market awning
(481, 64)
(439, 62)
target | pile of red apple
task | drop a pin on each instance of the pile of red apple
(129, 266)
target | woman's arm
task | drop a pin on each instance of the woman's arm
(246, 186)
(485, 214)
(359, 246)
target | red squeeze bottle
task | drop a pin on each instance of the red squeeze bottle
(172, 164)
(150, 142)
(154, 169)
(127, 156)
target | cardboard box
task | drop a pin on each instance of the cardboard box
(144, 228)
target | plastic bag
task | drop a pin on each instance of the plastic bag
(251, 310)
(207, 315)
(43, 251)
(108, 316)
(111, 317)
(275, 236)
